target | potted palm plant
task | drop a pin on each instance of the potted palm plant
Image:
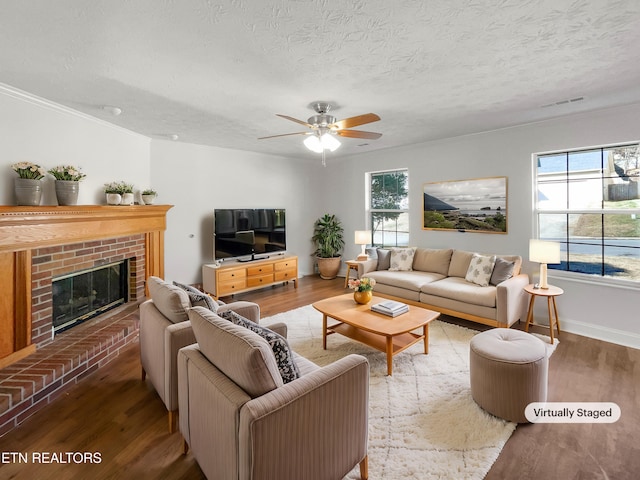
(329, 241)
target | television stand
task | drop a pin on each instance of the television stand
(236, 277)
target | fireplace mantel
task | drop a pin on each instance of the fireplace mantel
(23, 229)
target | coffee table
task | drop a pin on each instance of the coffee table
(391, 335)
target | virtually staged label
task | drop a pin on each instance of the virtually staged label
(572, 412)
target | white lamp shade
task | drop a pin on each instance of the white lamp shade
(362, 237)
(312, 142)
(329, 142)
(542, 251)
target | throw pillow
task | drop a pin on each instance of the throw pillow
(281, 350)
(384, 259)
(402, 259)
(198, 298)
(502, 270)
(170, 300)
(480, 269)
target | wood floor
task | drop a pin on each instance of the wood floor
(115, 415)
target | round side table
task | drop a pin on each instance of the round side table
(550, 293)
(351, 265)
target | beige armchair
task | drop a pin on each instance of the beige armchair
(242, 422)
(165, 329)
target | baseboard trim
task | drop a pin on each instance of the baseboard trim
(598, 332)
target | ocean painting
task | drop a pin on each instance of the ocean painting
(477, 205)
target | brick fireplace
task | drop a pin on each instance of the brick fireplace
(38, 244)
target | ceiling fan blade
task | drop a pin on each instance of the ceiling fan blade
(355, 121)
(286, 135)
(301, 122)
(359, 134)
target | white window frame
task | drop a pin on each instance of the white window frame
(370, 211)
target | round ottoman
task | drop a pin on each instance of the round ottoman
(508, 370)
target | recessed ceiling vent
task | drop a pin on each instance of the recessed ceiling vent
(563, 102)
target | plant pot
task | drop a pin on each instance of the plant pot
(114, 198)
(67, 192)
(28, 191)
(329, 267)
(148, 199)
(363, 297)
(127, 199)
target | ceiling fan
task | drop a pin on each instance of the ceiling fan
(324, 128)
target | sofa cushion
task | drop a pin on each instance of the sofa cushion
(384, 259)
(456, 288)
(432, 260)
(480, 269)
(198, 298)
(459, 265)
(242, 355)
(502, 270)
(402, 259)
(173, 302)
(408, 280)
(281, 351)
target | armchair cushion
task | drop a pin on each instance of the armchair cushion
(198, 298)
(281, 351)
(242, 355)
(171, 301)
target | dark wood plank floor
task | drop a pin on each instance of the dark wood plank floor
(121, 418)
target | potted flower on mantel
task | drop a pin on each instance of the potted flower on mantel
(329, 241)
(149, 196)
(67, 183)
(28, 185)
(119, 193)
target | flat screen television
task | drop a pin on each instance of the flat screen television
(249, 233)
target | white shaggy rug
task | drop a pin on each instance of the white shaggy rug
(423, 423)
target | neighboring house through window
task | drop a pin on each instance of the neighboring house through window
(589, 202)
(388, 205)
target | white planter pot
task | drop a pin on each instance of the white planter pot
(114, 198)
(148, 199)
(127, 199)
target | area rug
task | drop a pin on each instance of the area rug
(423, 423)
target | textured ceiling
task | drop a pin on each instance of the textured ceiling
(216, 72)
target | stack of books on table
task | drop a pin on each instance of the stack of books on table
(390, 307)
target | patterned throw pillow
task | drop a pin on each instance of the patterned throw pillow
(198, 298)
(480, 269)
(281, 350)
(402, 259)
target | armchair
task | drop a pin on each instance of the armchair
(165, 329)
(242, 422)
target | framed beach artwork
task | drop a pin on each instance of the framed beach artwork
(477, 205)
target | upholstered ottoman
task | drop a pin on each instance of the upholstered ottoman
(508, 371)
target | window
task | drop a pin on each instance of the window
(389, 208)
(588, 200)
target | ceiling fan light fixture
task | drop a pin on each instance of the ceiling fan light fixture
(329, 142)
(312, 142)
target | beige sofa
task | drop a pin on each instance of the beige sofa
(241, 421)
(165, 329)
(439, 279)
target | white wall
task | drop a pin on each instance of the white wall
(47, 134)
(590, 308)
(197, 179)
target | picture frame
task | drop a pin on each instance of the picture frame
(474, 205)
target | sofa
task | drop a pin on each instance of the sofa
(165, 329)
(243, 415)
(483, 288)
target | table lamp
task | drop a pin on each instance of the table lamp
(363, 237)
(544, 253)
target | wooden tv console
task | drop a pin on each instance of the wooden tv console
(235, 277)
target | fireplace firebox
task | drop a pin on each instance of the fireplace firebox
(82, 295)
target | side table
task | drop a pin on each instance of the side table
(551, 293)
(351, 265)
